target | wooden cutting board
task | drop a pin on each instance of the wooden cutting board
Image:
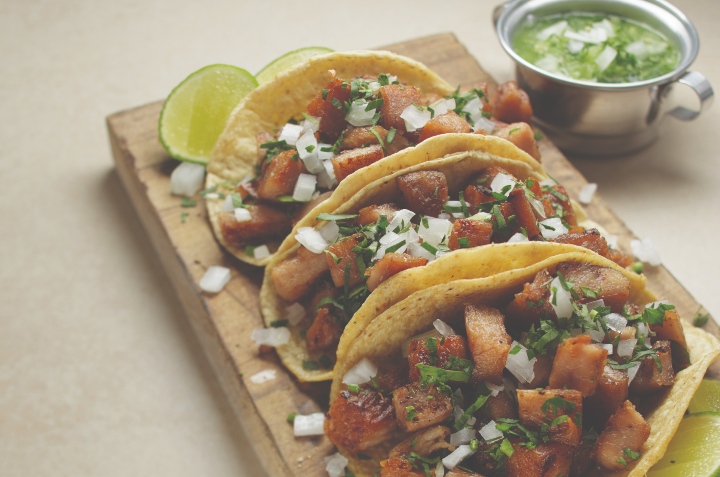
(185, 244)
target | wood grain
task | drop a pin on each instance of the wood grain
(224, 322)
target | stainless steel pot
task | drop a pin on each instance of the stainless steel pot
(599, 119)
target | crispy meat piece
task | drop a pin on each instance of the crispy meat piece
(424, 192)
(415, 410)
(332, 118)
(542, 369)
(342, 249)
(622, 259)
(499, 406)
(423, 442)
(651, 378)
(371, 214)
(324, 333)
(476, 232)
(559, 206)
(398, 143)
(350, 161)
(449, 122)
(671, 330)
(362, 136)
(389, 265)
(510, 103)
(266, 223)
(525, 213)
(399, 467)
(626, 429)
(522, 135)
(294, 276)
(578, 365)
(395, 99)
(280, 176)
(359, 421)
(508, 230)
(589, 239)
(612, 286)
(536, 407)
(418, 353)
(532, 303)
(476, 194)
(489, 342)
(550, 459)
(392, 375)
(610, 393)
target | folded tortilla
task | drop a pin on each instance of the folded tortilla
(382, 338)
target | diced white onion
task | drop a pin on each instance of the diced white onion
(444, 216)
(330, 231)
(311, 239)
(417, 250)
(271, 336)
(228, 205)
(215, 279)
(242, 215)
(463, 436)
(608, 347)
(357, 116)
(439, 470)
(495, 389)
(612, 240)
(481, 217)
(552, 228)
(361, 373)
(626, 347)
(439, 107)
(401, 219)
(561, 299)
(643, 330)
(457, 456)
(436, 231)
(615, 322)
(518, 237)
(313, 164)
(294, 313)
(261, 251)
(212, 195)
(374, 85)
(311, 123)
(587, 192)
(324, 155)
(326, 179)
(501, 181)
(310, 425)
(290, 133)
(415, 118)
(594, 304)
(485, 124)
(490, 432)
(575, 46)
(335, 465)
(632, 372)
(645, 251)
(443, 328)
(455, 204)
(519, 365)
(187, 179)
(263, 376)
(556, 29)
(607, 56)
(596, 335)
(474, 109)
(389, 238)
(305, 142)
(304, 188)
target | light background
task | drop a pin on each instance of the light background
(100, 375)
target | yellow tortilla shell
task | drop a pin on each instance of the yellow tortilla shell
(381, 341)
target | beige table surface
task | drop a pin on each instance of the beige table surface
(100, 375)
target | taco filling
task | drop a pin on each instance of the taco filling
(349, 125)
(342, 262)
(553, 382)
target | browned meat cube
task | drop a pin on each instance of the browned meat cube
(350, 161)
(355, 138)
(342, 249)
(446, 123)
(425, 192)
(324, 333)
(500, 406)
(522, 135)
(536, 407)
(392, 375)
(477, 194)
(322, 290)
(561, 205)
(332, 117)
(622, 259)
(280, 176)
(395, 99)
(397, 143)
(550, 459)
(578, 365)
(461, 473)
(294, 276)
(266, 223)
(489, 342)
(415, 409)
(590, 239)
(612, 286)
(359, 421)
(650, 378)
(399, 467)
(510, 103)
(542, 369)
(390, 264)
(626, 429)
(423, 442)
(610, 393)
(672, 330)
(418, 353)
(503, 234)
(525, 213)
(371, 214)
(476, 232)
(532, 302)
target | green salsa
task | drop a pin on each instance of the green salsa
(595, 47)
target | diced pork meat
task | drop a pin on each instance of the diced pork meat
(622, 259)
(293, 277)
(532, 303)
(395, 99)
(474, 232)
(500, 406)
(672, 330)
(542, 369)
(324, 333)
(419, 353)
(561, 205)
(578, 365)
(510, 103)
(359, 421)
(424, 192)
(346, 260)
(589, 239)
(423, 442)
(415, 409)
(476, 194)
(652, 377)
(489, 342)
(551, 459)
(389, 265)
(611, 285)
(266, 223)
(525, 213)
(371, 214)
(332, 117)
(280, 176)
(449, 122)
(350, 161)
(610, 393)
(362, 136)
(399, 467)
(538, 407)
(396, 143)
(626, 429)
(522, 135)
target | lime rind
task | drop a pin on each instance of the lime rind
(287, 60)
(196, 110)
(707, 397)
(694, 450)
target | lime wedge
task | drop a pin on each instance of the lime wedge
(707, 397)
(287, 60)
(195, 112)
(694, 450)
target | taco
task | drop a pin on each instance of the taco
(292, 140)
(568, 367)
(341, 263)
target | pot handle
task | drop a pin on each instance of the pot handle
(498, 10)
(704, 92)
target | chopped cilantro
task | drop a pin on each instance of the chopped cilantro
(310, 365)
(291, 417)
(279, 323)
(700, 319)
(410, 413)
(188, 202)
(353, 388)
(183, 216)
